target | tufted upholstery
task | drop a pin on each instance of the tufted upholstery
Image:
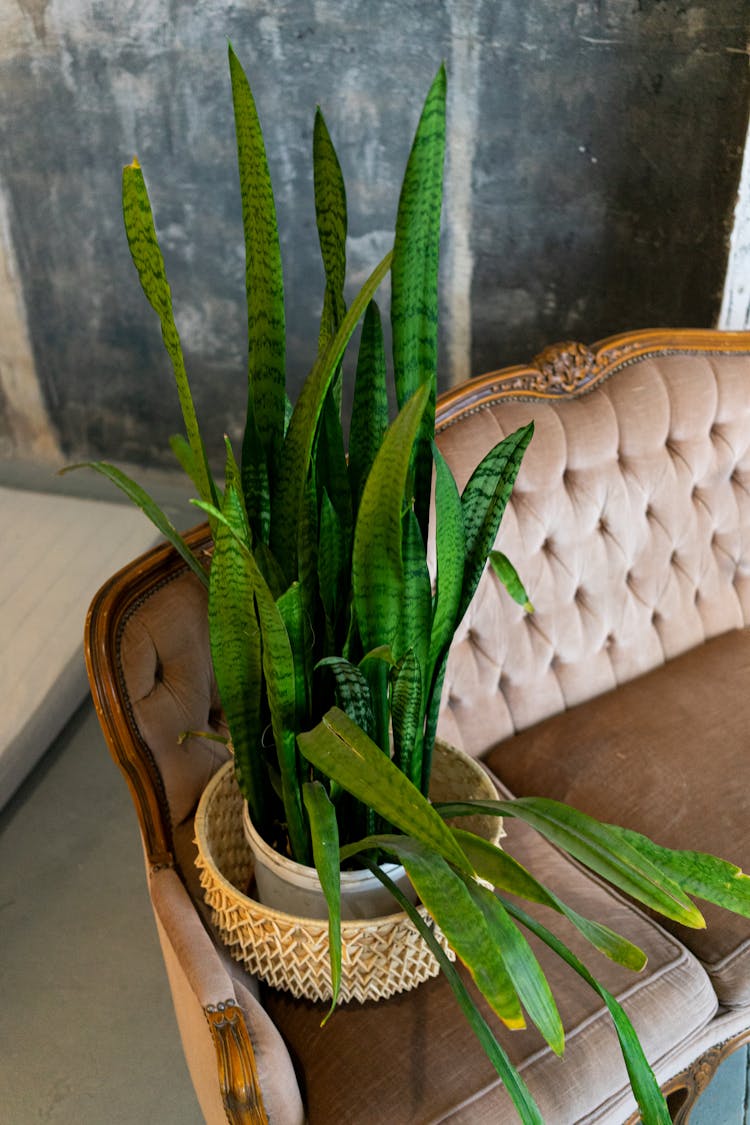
(630, 524)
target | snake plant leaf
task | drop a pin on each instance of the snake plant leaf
(505, 873)
(344, 753)
(325, 843)
(416, 612)
(449, 902)
(331, 219)
(406, 713)
(595, 846)
(508, 575)
(236, 653)
(370, 404)
(377, 564)
(233, 477)
(331, 469)
(255, 482)
(431, 718)
(300, 435)
(263, 278)
(184, 454)
(269, 568)
(279, 673)
(517, 1089)
(352, 690)
(698, 873)
(650, 1099)
(523, 968)
(149, 507)
(414, 300)
(149, 263)
(292, 613)
(483, 502)
(332, 559)
(450, 544)
(308, 533)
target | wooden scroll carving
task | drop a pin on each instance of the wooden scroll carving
(569, 369)
(238, 1077)
(683, 1091)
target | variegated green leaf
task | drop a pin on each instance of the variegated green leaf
(332, 560)
(300, 435)
(450, 546)
(236, 654)
(352, 691)
(508, 575)
(416, 607)
(414, 301)
(278, 669)
(698, 873)
(370, 405)
(377, 564)
(498, 867)
(523, 968)
(514, 1084)
(264, 281)
(325, 843)
(149, 507)
(343, 752)
(184, 454)
(331, 469)
(483, 503)
(255, 482)
(448, 900)
(292, 614)
(595, 846)
(431, 718)
(330, 214)
(147, 257)
(406, 714)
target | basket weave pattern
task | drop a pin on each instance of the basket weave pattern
(381, 956)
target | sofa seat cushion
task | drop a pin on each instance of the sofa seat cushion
(663, 754)
(413, 1059)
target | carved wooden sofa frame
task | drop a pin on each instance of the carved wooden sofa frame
(563, 373)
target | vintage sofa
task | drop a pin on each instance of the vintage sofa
(625, 693)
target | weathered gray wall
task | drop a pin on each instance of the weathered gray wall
(594, 155)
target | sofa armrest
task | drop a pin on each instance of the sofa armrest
(238, 1062)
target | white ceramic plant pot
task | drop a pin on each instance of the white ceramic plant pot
(295, 888)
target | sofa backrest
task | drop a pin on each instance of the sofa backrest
(629, 523)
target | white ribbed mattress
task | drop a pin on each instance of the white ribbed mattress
(56, 551)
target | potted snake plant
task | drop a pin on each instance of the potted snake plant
(328, 631)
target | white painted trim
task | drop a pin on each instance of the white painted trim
(463, 118)
(735, 305)
(31, 432)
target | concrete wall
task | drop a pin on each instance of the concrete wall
(595, 152)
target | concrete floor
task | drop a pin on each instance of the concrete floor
(87, 1029)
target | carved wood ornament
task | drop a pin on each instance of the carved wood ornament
(238, 1076)
(568, 369)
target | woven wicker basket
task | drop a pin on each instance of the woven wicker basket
(381, 956)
